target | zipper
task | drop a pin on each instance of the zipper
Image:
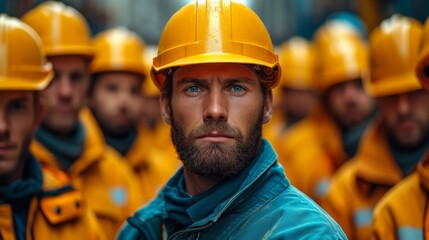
(190, 230)
(222, 210)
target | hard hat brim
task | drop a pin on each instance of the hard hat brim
(210, 58)
(85, 51)
(393, 85)
(33, 83)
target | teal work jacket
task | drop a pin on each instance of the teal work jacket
(264, 206)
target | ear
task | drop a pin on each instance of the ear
(268, 107)
(165, 109)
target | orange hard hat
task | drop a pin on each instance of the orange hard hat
(63, 30)
(394, 47)
(215, 31)
(22, 61)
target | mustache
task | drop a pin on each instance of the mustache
(218, 126)
(405, 117)
(4, 137)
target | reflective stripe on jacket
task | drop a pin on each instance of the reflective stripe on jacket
(403, 213)
(361, 183)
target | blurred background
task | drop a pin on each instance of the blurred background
(283, 18)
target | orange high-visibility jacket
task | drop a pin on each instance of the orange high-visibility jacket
(153, 166)
(275, 130)
(110, 186)
(59, 212)
(311, 153)
(403, 212)
(361, 183)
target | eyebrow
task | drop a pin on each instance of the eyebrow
(245, 80)
(20, 99)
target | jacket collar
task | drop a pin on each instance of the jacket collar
(262, 171)
(93, 150)
(330, 134)
(137, 154)
(375, 162)
(262, 174)
(423, 171)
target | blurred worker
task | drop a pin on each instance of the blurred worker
(329, 136)
(298, 89)
(216, 95)
(36, 201)
(65, 140)
(403, 212)
(397, 140)
(155, 130)
(118, 71)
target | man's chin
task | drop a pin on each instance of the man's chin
(64, 125)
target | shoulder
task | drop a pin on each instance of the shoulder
(399, 196)
(346, 175)
(398, 215)
(146, 223)
(297, 216)
(113, 160)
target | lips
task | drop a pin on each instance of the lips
(6, 148)
(406, 125)
(63, 109)
(215, 137)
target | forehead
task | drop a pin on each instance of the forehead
(68, 62)
(215, 71)
(121, 77)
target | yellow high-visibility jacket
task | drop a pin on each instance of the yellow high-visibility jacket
(107, 182)
(361, 183)
(403, 212)
(153, 166)
(311, 153)
(59, 212)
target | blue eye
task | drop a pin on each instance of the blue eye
(237, 88)
(193, 89)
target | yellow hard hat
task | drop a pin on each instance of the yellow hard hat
(422, 69)
(22, 61)
(342, 58)
(335, 29)
(298, 62)
(63, 30)
(215, 31)
(118, 49)
(394, 47)
(149, 88)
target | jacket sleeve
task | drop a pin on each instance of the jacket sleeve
(382, 225)
(336, 205)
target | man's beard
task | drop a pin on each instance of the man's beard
(217, 160)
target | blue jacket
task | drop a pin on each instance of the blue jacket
(264, 206)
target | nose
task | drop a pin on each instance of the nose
(403, 104)
(215, 106)
(351, 89)
(65, 88)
